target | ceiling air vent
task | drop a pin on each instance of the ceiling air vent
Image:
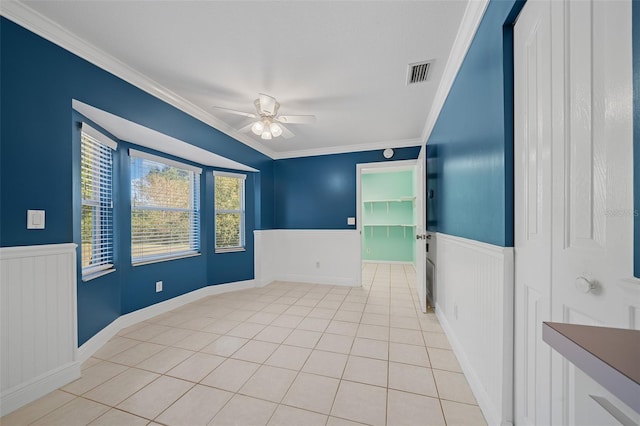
(418, 72)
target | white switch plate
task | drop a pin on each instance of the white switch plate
(351, 221)
(158, 286)
(35, 219)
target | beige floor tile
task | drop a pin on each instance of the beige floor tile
(402, 335)
(351, 306)
(196, 407)
(119, 388)
(255, 351)
(324, 363)
(405, 322)
(291, 357)
(335, 421)
(453, 386)
(376, 309)
(90, 363)
(375, 319)
(171, 336)
(342, 328)
(270, 383)
(311, 392)
(366, 370)
(436, 340)
(276, 308)
(225, 346)
(408, 354)
(370, 348)
(246, 330)
(115, 346)
(115, 417)
(37, 409)
(290, 416)
(196, 341)
(240, 315)
(443, 359)
(335, 343)
(322, 312)
(361, 403)
(196, 368)
(430, 325)
(94, 376)
(273, 334)
(376, 332)
(165, 360)
(303, 338)
(289, 321)
(313, 324)
(79, 412)
(301, 311)
(154, 398)
(264, 318)
(408, 409)
(147, 332)
(231, 374)
(136, 354)
(222, 326)
(458, 414)
(255, 306)
(286, 300)
(349, 316)
(411, 378)
(198, 323)
(244, 411)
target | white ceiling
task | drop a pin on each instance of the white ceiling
(343, 61)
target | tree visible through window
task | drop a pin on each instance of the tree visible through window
(229, 203)
(165, 204)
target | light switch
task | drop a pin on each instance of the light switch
(351, 221)
(35, 219)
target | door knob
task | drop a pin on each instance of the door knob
(584, 285)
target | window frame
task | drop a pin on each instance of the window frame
(102, 204)
(243, 189)
(195, 210)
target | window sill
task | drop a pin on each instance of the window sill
(94, 275)
(164, 259)
(230, 250)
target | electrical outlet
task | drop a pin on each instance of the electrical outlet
(158, 286)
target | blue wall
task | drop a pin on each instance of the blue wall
(39, 155)
(636, 136)
(320, 192)
(472, 141)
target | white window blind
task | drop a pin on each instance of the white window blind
(165, 208)
(229, 206)
(96, 178)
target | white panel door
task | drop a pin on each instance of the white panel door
(592, 195)
(420, 220)
(573, 197)
(532, 219)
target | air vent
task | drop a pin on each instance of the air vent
(418, 72)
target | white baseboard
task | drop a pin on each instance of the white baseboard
(103, 336)
(27, 392)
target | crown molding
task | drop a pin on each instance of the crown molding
(402, 143)
(37, 23)
(470, 22)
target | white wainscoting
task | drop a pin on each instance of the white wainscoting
(474, 303)
(310, 256)
(38, 336)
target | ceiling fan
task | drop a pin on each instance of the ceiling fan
(268, 123)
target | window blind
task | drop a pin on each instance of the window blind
(165, 208)
(229, 211)
(96, 178)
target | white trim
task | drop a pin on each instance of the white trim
(466, 33)
(163, 160)
(402, 143)
(37, 23)
(229, 174)
(17, 252)
(90, 347)
(99, 136)
(18, 396)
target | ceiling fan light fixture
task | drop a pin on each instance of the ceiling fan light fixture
(276, 129)
(266, 135)
(258, 128)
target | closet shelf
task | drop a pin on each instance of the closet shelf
(391, 200)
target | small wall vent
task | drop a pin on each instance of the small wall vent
(418, 72)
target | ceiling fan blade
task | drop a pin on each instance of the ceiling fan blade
(296, 119)
(286, 133)
(236, 112)
(247, 128)
(267, 104)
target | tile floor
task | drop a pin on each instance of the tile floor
(285, 354)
